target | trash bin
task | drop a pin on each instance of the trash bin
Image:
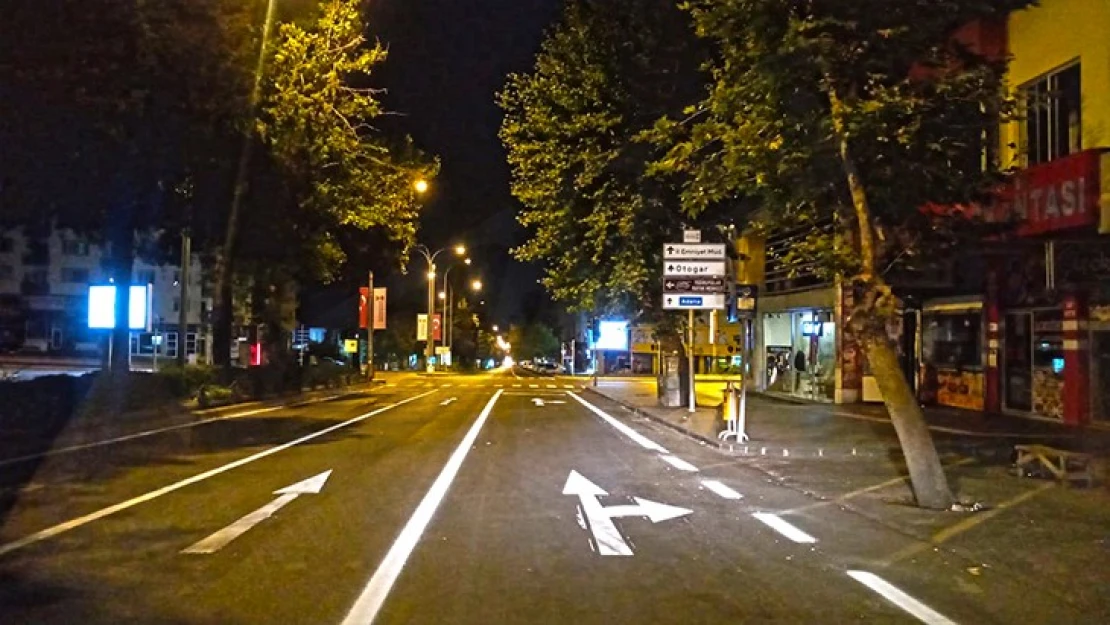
(669, 382)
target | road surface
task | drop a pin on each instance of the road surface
(493, 498)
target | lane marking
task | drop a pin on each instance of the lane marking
(516, 386)
(168, 428)
(533, 386)
(783, 527)
(679, 464)
(891, 593)
(448, 401)
(446, 385)
(551, 386)
(721, 489)
(61, 528)
(373, 596)
(966, 524)
(568, 386)
(638, 438)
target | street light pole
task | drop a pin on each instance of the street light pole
(429, 345)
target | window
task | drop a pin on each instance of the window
(75, 275)
(952, 340)
(6, 272)
(176, 304)
(73, 247)
(171, 344)
(6, 245)
(36, 276)
(1051, 127)
(190, 343)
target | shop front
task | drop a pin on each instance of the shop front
(800, 353)
(951, 369)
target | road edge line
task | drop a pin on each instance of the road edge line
(636, 437)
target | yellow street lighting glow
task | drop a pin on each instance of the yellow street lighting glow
(476, 285)
(431, 275)
(420, 185)
(442, 295)
(460, 249)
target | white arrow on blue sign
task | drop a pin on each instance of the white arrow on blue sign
(693, 301)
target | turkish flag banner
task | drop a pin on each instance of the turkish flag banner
(363, 298)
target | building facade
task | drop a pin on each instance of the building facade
(44, 285)
(1021, 326)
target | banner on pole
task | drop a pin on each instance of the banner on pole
(422, 327)
(362, 308)
(379, 308)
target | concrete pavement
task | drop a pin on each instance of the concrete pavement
(450, 500)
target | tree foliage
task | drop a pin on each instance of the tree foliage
(849, 118)
(316, 121)
(572, 128)
(533, 340)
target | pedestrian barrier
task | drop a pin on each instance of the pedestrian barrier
(1062, 464)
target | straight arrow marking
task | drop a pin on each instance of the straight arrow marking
(220, 539)
(448, 401)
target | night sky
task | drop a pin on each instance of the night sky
(447, 59)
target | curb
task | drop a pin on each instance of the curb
(674, 426)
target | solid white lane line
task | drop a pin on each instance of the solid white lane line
(679, 464)
(721, 489)
(61, 528)
(891, 593)
(373, 596)
(783, 527)
(169, 428)
(640, 439)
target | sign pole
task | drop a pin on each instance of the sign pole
(370, 326)
(690, 357)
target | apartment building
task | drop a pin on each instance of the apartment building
(44, 283)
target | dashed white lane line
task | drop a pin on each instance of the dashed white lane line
(533, 386)
(638, 438)
(786, 529)
(373, 596)
(679, 464)
(53, 531)
(721, 489)
(446, 385)
(568, 386)
(516, 386)
(551, 386)
(891, 593)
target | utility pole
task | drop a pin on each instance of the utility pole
(183, 298)
(370, 326)
(430, 344)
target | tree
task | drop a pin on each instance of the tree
(849, 117)
(111, 111)
(330, 168)
(572, 130)
(533, 340)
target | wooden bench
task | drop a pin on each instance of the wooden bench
(1064, 465)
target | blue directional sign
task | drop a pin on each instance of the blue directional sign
(690, 301)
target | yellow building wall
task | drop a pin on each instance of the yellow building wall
(1053, 34)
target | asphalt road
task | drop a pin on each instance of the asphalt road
(450, 499)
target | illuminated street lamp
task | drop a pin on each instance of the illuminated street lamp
(430, 257)
(476, 285)
(420, 186)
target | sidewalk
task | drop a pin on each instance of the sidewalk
(788, 428)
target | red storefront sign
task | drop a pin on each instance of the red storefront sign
(1058, 195)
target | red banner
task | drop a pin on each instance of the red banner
(437, 328)
(363, 296)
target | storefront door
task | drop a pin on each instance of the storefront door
(1018, 362)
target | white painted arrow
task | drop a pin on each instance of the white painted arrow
(448, 401)
(220, 539)
(600, 519)
(543, 402)
(537, 401)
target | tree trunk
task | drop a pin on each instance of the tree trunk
(121, 261)
(221, 312)
(930, 485)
